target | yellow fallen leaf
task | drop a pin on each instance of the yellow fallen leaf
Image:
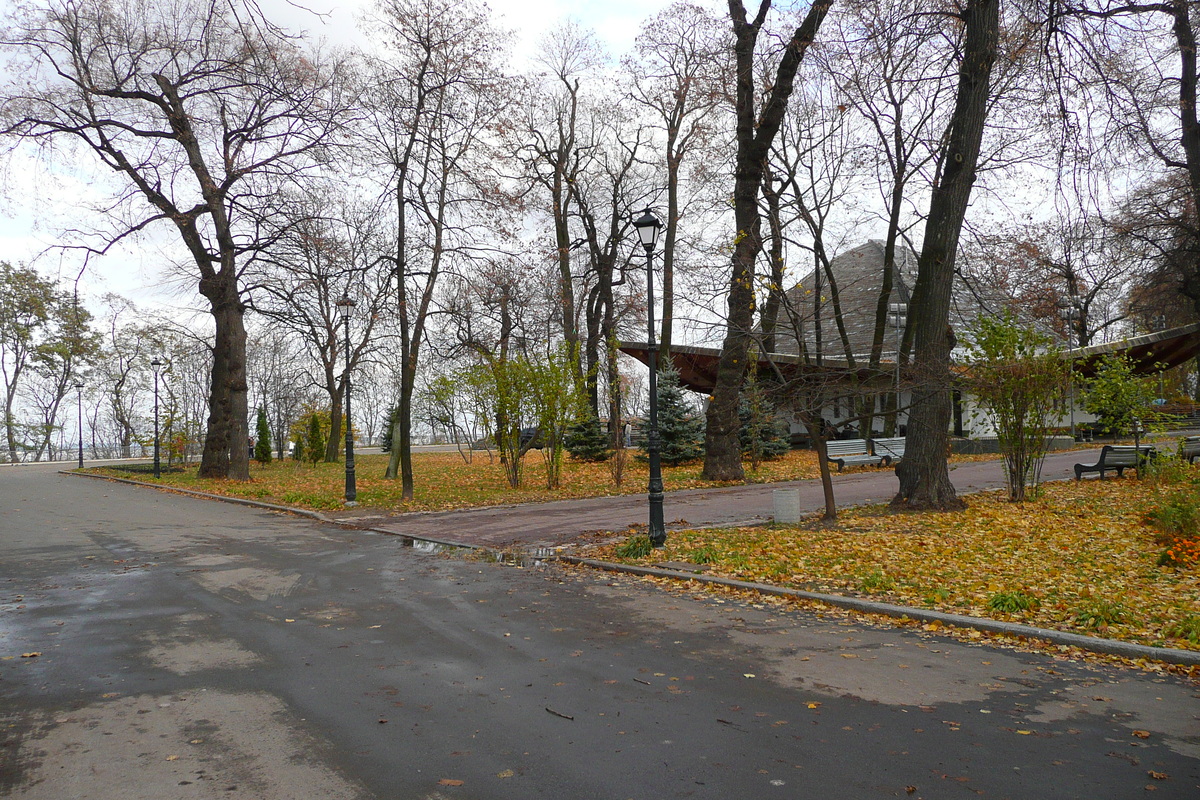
(747, 674)
(508, 773)
(289, 620)
(172, 758)
(814, 705)
(30, 655)
(1025, 733)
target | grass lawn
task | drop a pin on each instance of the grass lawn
(1080, 558)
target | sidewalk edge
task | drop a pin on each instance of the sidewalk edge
(1094, 644)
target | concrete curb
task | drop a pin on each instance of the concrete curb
(1094, 644)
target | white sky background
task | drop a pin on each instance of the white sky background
(35, 203)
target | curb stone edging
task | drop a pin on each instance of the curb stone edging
(1169, 655)
(1189, 658)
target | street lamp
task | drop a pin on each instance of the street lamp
(648, 227)
(345, 306)
(79, 415)
(899, 313)
(156, 365)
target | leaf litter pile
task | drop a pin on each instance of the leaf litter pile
(1081, 558)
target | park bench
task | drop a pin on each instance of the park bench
(890, 450)
(1116, 457)
(845, 452)
(1189, 449)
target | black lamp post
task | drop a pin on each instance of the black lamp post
(156, 365)
(648, 227)
(899, 312)
(79, 415)
(345, 306)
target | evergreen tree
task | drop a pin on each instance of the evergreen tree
(680, 429)
(262, 447)
(389, 425)
(763, 435)
(587, 441)
(316, 440)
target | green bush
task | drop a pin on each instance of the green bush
(1100, 614)
(1187, 628)
(636, 546)
(1013, 602)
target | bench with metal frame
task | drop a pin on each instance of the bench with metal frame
(848, 452)
(1117, 457)
(891, 450)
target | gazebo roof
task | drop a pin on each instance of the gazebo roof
(697, 366)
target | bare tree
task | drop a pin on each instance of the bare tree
(681, 74)
(923, 473)
(328, 252)
(435, 98)
(756, 130)
(201, 110)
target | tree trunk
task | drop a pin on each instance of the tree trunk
(226, 451)
(924, 475)
(755, 132)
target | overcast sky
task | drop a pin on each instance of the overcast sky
(36, 204)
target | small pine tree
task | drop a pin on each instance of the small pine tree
(316, 440)
(389, 425)
(680, 430)
(262, 447)
(586, 440)
(763, 435)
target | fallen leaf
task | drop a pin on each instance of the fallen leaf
(1142, 734)
(747, 674)
(1158, 776)
(450, 782)
(814, 705)
(172, 758)
(30, 655)
(508, 773)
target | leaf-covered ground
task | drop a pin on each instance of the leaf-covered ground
(445, 481)
(1081, 558)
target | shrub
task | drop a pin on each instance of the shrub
(877, 581)
(1100, 614)
(1187, 628)
(1013, 602)
(636, 546)
(1174, 511)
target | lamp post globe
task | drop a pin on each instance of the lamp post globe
(345, 307)
(648, 227)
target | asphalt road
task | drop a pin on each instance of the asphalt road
(191, 649)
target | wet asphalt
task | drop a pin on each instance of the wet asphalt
(160, 646)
